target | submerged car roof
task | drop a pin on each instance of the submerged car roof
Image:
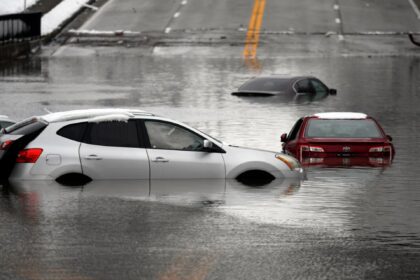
(340, 115)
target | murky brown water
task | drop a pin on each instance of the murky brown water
(369, 215)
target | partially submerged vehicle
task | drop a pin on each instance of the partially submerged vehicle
(285, 86)
(94, 144)
(339, 139)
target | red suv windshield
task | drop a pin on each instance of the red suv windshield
(339, 128)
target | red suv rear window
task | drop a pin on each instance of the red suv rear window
(342, 128)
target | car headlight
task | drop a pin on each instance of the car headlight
(292, 163)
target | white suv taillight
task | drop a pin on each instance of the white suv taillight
(29, 155)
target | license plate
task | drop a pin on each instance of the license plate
(344, 154)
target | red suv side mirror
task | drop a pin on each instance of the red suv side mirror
(283, 137)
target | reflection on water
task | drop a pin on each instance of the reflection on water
(355, 207)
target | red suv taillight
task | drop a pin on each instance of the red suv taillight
(308, 151)
(6, 144)
(380, 149)
(29, 155)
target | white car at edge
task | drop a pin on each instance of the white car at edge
(103, 144)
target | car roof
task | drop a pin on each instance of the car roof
(340, 115)
(281, 77)
(95, 115)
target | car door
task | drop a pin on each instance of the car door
(175, 152)
(114, 150)
(290, 146)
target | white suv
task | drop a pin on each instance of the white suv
(128, 144)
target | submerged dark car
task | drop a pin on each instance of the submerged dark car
(284, 86)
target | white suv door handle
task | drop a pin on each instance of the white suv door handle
(92, 157)
(160, 159)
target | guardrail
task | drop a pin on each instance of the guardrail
(20, 27)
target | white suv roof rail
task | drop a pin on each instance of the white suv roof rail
(92, 114)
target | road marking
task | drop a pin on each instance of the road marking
(176, 15)
(415, 8)
(339, 21)
(254, 26)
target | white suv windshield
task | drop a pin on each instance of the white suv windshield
(322, 128)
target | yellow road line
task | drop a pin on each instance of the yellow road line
(253, 33)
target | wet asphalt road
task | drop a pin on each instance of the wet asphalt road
(340, 223)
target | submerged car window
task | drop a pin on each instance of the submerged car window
(163, 135)
(319, 87)
(266, 84)
(115, 134)
(322, 128)
(304, 86)
(73, 131)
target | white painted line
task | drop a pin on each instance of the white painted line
(176, 14)
(336, 7)
(337, 20)
(184, 2)
(167, 30)
(415, 8)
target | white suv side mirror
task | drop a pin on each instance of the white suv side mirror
(207, 144)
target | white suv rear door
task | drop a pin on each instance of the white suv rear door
(114, 150)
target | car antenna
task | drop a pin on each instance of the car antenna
(46, 110)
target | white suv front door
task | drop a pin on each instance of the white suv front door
(177, 153)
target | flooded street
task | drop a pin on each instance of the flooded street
(353, 223)
(182, 60)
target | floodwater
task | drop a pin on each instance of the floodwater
(350, 222)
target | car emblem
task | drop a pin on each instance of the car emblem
(346, 149)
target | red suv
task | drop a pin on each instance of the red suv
(339, 139)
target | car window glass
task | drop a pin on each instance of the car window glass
(319, 87)
(163, 135)
(115, 134)
(293, 133)
(73, 131)
(304, 86)
(266, 84)
(321, 128)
